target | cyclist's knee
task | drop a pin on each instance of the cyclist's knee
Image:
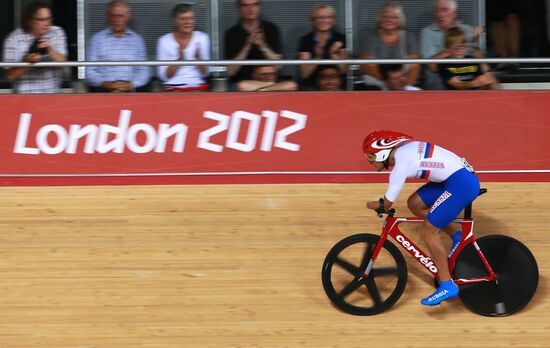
(416, 205)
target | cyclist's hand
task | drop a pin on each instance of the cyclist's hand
(373, 205)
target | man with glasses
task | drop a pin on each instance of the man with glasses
(37, 40)
(117, 43)
(251, 38)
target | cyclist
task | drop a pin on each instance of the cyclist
(452, 185)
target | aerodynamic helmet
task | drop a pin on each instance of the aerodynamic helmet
(380, 143)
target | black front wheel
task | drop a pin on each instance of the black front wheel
(517, 276)
(348, 290)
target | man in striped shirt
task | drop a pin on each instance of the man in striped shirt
(37, 40)
(117, 43)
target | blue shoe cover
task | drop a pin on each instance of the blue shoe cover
(457, 237)
(446, 290)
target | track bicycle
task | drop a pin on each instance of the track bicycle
(365, 274)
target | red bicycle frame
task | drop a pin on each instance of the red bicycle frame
(391, 228)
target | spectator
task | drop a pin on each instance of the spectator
(185, 43)
(264, 79)
(504, 27)
(534, 40)
(390, 41)
(395, 79)
(431, 38)
(37, 40)
(329, 78)
(463, 75)
(322, 43)
(117, 43)
(251, 38)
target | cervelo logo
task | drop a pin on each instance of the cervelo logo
(440, 200)
(385, 144)
(425, 164)
(425, 260)
(52, 139)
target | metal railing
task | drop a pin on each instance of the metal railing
(276, 62)
(219, 67)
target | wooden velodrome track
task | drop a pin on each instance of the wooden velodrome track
(231, 266)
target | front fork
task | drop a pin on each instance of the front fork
(378, 247)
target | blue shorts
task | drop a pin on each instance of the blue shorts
(447, 199)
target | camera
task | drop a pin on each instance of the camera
(35, 49)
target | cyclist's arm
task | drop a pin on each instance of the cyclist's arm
(398, 176)
(376, 204)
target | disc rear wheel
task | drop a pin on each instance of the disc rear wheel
(516, 270)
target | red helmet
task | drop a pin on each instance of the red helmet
(380, 143)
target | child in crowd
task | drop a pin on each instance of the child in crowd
(463, 75)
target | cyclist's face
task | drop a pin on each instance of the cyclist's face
(378, 166)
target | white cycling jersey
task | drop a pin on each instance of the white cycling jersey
(422, 160)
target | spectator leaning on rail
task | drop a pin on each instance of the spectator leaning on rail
(251, 38)
(322, 43)
(185, 43)
(265, 79)
(389, 41)
(117, 43)
(36, 41)
(395, 79)
(329, 78)
(431, 38)
(463, 75)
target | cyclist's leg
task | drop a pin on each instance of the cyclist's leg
(430, 234)
(447, 288)
(459, 191)
(419, 204)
